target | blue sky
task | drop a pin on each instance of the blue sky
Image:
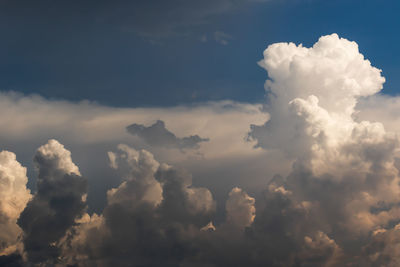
(137, 54)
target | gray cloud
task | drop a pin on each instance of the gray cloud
(158, 135)
(13, 260)
(382, 249)
(149, 219)
(89, 129)
(59, 201)
(141, 230)
(13, 198)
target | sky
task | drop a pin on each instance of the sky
(199, 133)
(163, 53)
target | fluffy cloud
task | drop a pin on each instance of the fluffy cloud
(344, 169)
(311, 90)
(13, 198)
(329, 193)
(240, 208)
(383, 248)
(138, 170)
(149, 219)
(89, 129)
(58, 202)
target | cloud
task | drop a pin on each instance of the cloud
(89, 123)
(158, 135)
(138, 170)
(58, 202)
(240, 210)
(344, 171)
(89, 129)
(379, 108)
(148, 219)
(317, 184)
(13, 260)
(323, 83)
(383, 247)
(222, 37)
(13, 198)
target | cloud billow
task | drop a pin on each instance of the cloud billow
(13, 198)
(337, 205)
(158, 135)
(59, 201)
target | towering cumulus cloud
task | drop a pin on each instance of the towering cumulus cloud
(59, 201)
(344, 181)
(13, 198)
(337, 204)
(152, 218)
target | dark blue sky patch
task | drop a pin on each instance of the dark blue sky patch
(164, 53)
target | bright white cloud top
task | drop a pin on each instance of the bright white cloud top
(13, 198)
(311, 177)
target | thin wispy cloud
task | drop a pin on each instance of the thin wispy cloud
(222, 37)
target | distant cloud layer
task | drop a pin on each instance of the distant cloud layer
(158, 135)
(314, 183)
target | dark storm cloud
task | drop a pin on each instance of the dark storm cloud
(13, 260)
(158, 135)
(55, 206)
